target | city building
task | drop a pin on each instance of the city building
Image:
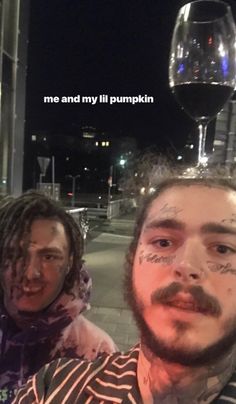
(14, 17)
(86, 154)
(224, 144)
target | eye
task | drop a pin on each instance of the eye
(162, 242)
(224, 249)
(49, 257)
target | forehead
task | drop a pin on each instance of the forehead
(45, 229)
(195, 202)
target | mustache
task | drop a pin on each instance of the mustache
(203, 301)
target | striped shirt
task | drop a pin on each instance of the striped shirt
(109, 379)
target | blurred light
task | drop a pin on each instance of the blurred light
(99, 197)
(151, 190)
(67, 158)
(142, 191)
(96, 143)
(218, 142)
(185, 11)
(4, 181)
(122, 162)
(33, 138)
(86, 169)
(70, 193)
(191, 146)
(210, 40)
(179, 157)
(203, 160)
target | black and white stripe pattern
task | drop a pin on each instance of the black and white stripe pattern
(110, 379)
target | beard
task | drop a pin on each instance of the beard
(186, 356)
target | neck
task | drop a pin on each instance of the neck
(166, 382)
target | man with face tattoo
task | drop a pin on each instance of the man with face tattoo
(181, 286)
(43, 291)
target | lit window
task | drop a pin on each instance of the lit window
(103, 144)
(107, 143)
(96, 143)
(33, 138)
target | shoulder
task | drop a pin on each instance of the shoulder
(49, 382)
(93, 340)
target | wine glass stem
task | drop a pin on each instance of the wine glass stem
(202, 128)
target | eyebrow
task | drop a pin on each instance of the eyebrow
(173, 224)
(218, 228)
(50, 250)
(165, 224)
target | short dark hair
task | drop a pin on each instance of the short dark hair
(16, 217)
(211, 182)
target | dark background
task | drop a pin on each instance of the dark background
(114, 47)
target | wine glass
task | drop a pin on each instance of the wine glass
(202, 66)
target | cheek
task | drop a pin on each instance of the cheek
(147, 277)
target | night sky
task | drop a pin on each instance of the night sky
(113, 47)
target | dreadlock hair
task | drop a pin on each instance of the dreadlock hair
(167, 183)
(16, 217)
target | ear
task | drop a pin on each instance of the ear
(70, 262)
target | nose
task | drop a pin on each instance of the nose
(189, 263)
(32, 268)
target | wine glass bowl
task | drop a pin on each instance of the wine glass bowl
(202, 66)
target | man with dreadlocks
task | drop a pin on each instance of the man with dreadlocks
(41, 250)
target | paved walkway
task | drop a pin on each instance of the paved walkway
(118, 323)
(105, 259)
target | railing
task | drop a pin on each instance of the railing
(100, 210)
(81, 217)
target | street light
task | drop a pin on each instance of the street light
(73, 187)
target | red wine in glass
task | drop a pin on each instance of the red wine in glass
(202, 66)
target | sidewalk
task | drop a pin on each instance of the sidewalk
(118, 323)
(110, 240)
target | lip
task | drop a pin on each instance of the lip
(185, 303)
(31, 291)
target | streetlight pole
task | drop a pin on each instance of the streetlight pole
(73, 192)
(73, 177)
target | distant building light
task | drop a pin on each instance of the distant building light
(103, 144)
(135, 174)
(96, 143)
(44, 139)
(70, 193)
(218, 142)
(179, 157)
(88, 135)
(4, 181)
(191, 146)
(33, 138)
(86, 169)
(67, 158)
(107, 143)
(99, 197)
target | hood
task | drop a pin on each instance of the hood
(59, 314)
